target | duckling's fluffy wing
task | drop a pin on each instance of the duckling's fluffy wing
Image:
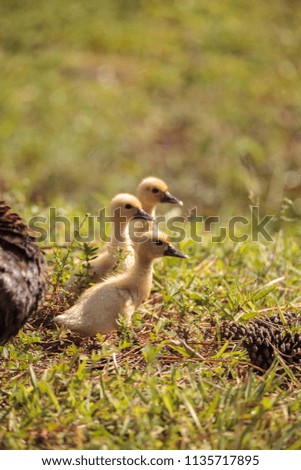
(103, 265)
(127, 261)
(98, 309)
(112, 260)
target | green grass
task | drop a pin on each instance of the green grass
(167, 382)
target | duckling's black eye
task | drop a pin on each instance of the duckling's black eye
(128, 206)
(155, 190)
(159, 242)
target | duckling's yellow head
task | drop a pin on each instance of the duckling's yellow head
(152, 191)
(128, 207)
(155, 245)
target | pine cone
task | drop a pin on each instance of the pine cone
(264, 338)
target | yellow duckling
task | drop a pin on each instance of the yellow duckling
(153, 191)
(124, 207)
(98, 309)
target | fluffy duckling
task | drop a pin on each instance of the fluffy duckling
(22, 273)
(98, 309)
(124, 207)
(153, 191)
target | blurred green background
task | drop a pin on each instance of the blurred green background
(97, 94)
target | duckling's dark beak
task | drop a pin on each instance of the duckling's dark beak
(172, 251)
(141, 214)
(167, 197)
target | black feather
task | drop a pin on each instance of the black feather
(22, 273)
